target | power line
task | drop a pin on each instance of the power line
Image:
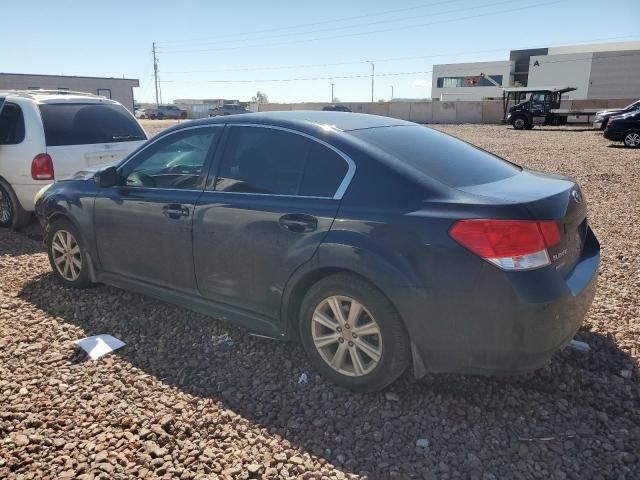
(403, 27)
(333, 29)
(305, 25)
(393, 74)
(382, 60)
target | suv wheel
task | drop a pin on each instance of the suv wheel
(66, 255)
(519, 123)
(353, 334)
(12, 215)
(632, 139)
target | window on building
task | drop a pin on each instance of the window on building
(63, 89)
(33, 88)
(468, 81)
(104, 92)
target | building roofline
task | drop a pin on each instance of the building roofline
(69, 76)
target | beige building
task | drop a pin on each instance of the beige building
(119, 89)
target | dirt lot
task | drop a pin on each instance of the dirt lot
(190, 397)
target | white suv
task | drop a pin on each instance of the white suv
(50, 135)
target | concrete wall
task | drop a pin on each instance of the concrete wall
(615, 75)
(486, 111)
(121, 88)
(559, 70)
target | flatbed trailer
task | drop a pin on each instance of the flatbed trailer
(542, 107)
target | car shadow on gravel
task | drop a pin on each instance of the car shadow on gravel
(262, 381)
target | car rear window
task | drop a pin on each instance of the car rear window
(88, 123)
(439, 156)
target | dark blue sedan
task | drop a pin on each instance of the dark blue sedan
(378, 243)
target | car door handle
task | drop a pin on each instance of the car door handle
(299, 222)
(175, 210)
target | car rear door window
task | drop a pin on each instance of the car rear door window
(88, 123)
(438, 156)
(277, 162)
(11, 124)
(176, 161)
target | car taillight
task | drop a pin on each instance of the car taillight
(508, 244)
(609, 122)
(42, 167)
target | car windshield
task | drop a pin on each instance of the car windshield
(439, 156)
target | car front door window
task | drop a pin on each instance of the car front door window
(175, 162)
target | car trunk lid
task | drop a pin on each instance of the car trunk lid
(546, 197)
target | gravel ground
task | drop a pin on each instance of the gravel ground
(190, 397)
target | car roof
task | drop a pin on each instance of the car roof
(305, 118)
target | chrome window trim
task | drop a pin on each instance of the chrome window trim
(342, 188)
(156, 139)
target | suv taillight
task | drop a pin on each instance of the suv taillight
(508, 244)
(42, 167)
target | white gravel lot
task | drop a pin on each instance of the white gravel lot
(191, 397)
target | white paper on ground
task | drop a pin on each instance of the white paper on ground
(99, 345)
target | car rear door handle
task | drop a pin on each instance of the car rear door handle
(175, 210)
(299, 222)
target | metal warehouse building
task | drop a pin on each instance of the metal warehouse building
(598, 71)
(119, 89)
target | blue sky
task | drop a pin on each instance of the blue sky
(202, 43)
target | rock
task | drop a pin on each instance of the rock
(422, 443)
(392, 396)
(21, 440)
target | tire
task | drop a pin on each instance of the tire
(60, 231)
(519, 122)
(390, 341)
(12, 215)
(632, 139)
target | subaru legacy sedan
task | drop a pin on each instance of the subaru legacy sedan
(379, 244)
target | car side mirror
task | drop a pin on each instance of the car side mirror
(108, 177)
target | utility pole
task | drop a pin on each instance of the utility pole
(391, 93)
(155, 70)
(373, 74)
(332, 97)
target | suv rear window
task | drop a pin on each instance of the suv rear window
(452, 162)
(88, 123)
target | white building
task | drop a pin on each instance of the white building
(598, 71)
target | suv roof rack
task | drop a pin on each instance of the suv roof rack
(30, 93)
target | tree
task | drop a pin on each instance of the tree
(260, 97)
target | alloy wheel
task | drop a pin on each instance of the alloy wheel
(66, 255)
(6, 210)
(519, 123)
(632, 139)
(346, 336)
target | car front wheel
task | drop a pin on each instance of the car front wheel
(352, 334)
(520, 122)
(632, 139)
(67, 256)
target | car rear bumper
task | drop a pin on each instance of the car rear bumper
(508, 323)
(26, 193)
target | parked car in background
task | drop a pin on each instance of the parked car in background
(603, 116)
(624, 128)
(335, 108)
(228, 109)
(50, 135)
(141, 113)
(377, 242)
(165, 112)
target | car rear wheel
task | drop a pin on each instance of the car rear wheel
(352, 334)
(519, 123)
(12, 215)
(67, 256)
(632, 139)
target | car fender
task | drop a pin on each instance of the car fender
(354, 253)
